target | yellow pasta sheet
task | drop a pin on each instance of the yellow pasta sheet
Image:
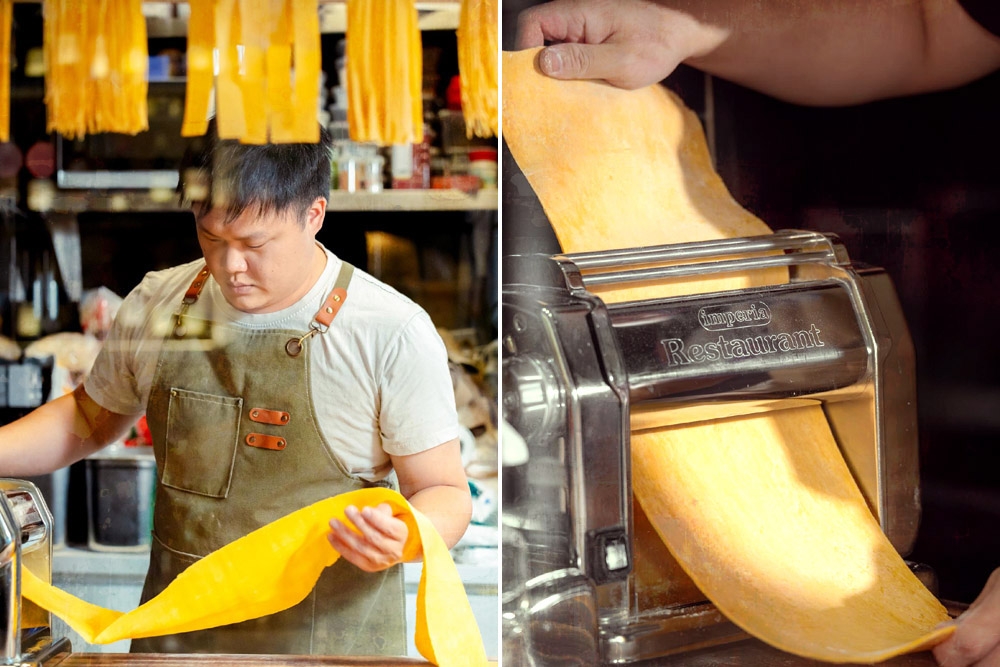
(274, 568)
(761, 510)
(269, 67)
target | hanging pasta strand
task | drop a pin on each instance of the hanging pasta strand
(267, 85)
(253, 86)
(306, 56)
(360, 14)
(96, 62)
(6, 15)
(384, 72)
(280, 119)
(97, 59)
(135, 67)
(200, 68)
(65, 95)
(229, 95)
(477, 66)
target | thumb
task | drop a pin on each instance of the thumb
(610, 62)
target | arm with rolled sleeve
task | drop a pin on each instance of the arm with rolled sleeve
(59, 433)
(63, 431)
(96, 413)
(419, 428)
(834, 52)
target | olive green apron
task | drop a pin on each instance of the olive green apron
(237, 446)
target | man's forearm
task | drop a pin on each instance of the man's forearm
(449, 508)
(843, 51)
(57, 434)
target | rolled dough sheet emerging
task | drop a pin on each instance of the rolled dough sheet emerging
(760, 511)
(765, 517)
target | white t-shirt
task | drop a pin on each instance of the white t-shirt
(379, 374)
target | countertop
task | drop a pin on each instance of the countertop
(221, 660)
(218, 660)
(754, 653)
(747, 653)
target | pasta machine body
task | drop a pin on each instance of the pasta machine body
(25, 542)
(581, 374)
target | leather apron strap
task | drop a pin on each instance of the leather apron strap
(324, 316)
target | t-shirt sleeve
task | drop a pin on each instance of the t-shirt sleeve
(417, 407)
(984, 12)
(113, 381)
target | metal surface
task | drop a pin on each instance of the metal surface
(580, 374)
(10, 584)
(790, 341)
(25, 541)
(45, 654)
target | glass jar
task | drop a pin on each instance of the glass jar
(348, 173)
(373, 171)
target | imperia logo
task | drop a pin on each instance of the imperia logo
(721, 318)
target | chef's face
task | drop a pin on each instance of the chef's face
(263, 262)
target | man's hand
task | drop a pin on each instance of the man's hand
(434, 483)
(976, 640)
(381, 540)
(628, 44)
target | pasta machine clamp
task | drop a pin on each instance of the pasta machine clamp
(25, 541)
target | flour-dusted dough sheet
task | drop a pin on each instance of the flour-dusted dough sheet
(765, 517)
(620, 169)
(761, 510)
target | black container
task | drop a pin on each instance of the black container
(120, 503)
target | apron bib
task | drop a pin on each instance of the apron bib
(237, 446)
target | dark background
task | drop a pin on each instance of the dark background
(912, 185)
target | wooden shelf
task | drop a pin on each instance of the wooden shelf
(430, 16)
(79, 201)
(439, 15)
(413, 200)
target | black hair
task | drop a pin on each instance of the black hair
(264, 178)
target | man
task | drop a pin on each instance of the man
(816, 53)
(272, 375)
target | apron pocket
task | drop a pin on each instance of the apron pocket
(192, 461)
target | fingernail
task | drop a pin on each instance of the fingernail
(550, 61)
